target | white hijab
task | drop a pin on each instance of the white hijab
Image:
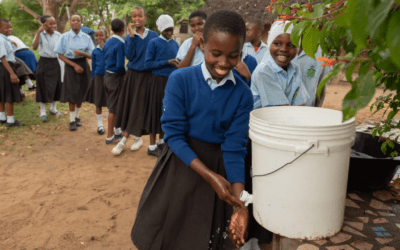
(164, 22)
(278, 28)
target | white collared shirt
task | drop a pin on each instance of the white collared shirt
(213, 83)
(146, 32)
(70, 41)
(119, 38)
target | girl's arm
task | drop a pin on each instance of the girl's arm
(81, 53)
(121, 60)
(130, 51)
(35, 44)
(13, 76)
(150, 59)
(93, 65)
(76, 67)
(196, 41)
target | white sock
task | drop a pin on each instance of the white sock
(42, 109)
(29, 83)
(21, 91)
(99, 120)
(117, 131)
(3, 116)
(77, 112)
(72, 116)
(160, 141)
(123, 140)
(137, 139)
(53, 106)
(152, 147)
(10, 119)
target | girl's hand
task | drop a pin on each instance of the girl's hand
(224, 190)
(243, 70)
(41, 29)
(78, 69)
(174, 63)
(131, 28)
(13, 43)
(238, 227)
(77, 53)
(14, 78)
(197, 38)
(101, 43)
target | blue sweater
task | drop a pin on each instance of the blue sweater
(115, 56)
(98, 63)
(135, 50)
(251, 63)
(159, 51)
(191, 108)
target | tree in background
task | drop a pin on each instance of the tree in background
(368, 31)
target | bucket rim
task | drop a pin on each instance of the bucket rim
(252, 117)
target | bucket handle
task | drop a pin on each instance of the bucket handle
(295, 159)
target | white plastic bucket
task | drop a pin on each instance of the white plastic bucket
(304, 199)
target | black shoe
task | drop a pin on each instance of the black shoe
(113, 140)
(100, 130)
(78, 121)
(156, 152)
(72, 126)
(161, 146)
(32, 88)
(3, 121)
(15, 124)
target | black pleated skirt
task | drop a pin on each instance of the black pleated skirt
(75, 85)
(96, 92)
(133, 103)
(113, 84)
(156, 96)
(48, 80)
(9, 92)
(178, 209)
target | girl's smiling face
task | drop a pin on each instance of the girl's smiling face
(196, 24)
(167, 33)
(75, 23)
(138, 18)
(4, 28)
(100, 36)
(282, 50)
(222, 52)
(50, 25)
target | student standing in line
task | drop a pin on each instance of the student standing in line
(254, 46)
(96, 93)
(191, 200)
(114, 51)
(72, 48)
(48, 71)
(189, 53)
(133, 102)
(9, 88)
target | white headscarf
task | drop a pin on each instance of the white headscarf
(278, 28)
(164, 22)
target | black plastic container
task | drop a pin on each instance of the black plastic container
(371, 170)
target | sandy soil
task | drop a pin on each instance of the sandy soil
(74, 194)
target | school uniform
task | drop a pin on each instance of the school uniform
(133, 100)
(26, 55)
(248, 49)
(22, 70)
(251, 64)
(48, 71)
(96, 93)
(159, 51)
(75, 85)
(115, 70)
(201, 118)
(311, 73)
(273, 86)
(198, 56)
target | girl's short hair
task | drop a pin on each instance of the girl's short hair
(44, 18)
(198, 13)
(140, 8)
(225, 21)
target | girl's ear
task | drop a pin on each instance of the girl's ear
(202, 44)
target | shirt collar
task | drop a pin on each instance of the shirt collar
(98, 46)
(162, 37)
(5, 37)
(80, 34)
(277, 68)
(207, 76)
(145, 33)
(119, 38)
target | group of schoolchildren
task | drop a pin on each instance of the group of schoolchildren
(196, 97)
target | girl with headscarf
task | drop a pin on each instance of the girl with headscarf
(277, 80)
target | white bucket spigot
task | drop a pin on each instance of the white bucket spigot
(246, 198)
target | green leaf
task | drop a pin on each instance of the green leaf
(333, 73)
(296, 32)
(359, 20)
(378, 15)
(382, 60)
(286, 11)
(359, 96)
(310, 41)
(384, 148)
(288, 25)
(280, 10)
(364, 68)
(318, 10)
(349, 72)
(393, 37)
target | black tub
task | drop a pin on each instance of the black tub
(370, 169)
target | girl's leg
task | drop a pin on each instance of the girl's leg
(153, 146)
(53, 109)
(10, 116)
(100, 128)
(3, 117)
(117, 150)
(77, 112)
(72, 114)
(110, 128)
(43, 111)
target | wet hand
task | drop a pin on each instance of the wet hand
(131, 29)
(174, 63)
(14, 78)
(238, 227)
(224, 190)
(243, 70)
(78, 69)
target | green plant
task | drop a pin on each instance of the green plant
(368, 33)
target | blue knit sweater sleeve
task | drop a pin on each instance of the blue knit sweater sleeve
(120, 59)
(152, 61)
(93, 65)
(174, 120)
(130, 51)
(234, 146)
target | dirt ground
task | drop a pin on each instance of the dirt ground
(74, 194)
